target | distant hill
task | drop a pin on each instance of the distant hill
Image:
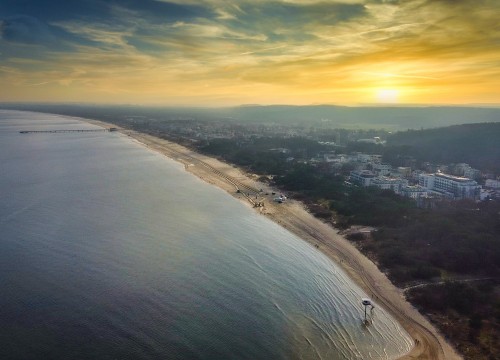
(475, 144)
(389, 118)
(319, 116)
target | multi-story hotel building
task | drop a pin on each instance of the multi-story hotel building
(455, 187)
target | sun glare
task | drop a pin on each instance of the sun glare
(387, 96)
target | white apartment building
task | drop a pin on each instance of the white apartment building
(382, 169)
(414, 192)
(377, 159)
(405, 171)
(472, 173)
(363, 158)
(455, 187)
(460, 168)
(362, 177)
(490, 183)
(332, 158)
(467, 171)
(389, 183)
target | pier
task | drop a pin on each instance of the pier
(65, 131)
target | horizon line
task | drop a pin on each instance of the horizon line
(200, 106)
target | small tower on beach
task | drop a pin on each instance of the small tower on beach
(367, 302)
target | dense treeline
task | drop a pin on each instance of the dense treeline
(475, 144)
(266, 155)
(457, 238)
(468, 313)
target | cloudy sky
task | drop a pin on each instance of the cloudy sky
(223, 52)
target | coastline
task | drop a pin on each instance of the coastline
(429, 343)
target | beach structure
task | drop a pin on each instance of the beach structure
(367, 302)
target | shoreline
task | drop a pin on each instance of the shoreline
(292, 215)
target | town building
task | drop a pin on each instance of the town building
(362, 177)
(414, 192)
(389, 183)
(382, 169)
(374, 140)
(454, 187)
(405, 171)
(460, 168)
(489, 194)
(494, 184)
(363, 158)
(465, 170)
(377, 159)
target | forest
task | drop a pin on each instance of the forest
(475, 144)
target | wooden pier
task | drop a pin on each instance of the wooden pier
(65, 131)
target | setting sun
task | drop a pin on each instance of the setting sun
(387, 96)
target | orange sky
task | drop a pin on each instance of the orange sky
(219, 53)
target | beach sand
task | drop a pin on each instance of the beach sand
(292, 215)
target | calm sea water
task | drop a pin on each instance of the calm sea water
(111, 251)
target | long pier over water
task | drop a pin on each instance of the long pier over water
(64, 131)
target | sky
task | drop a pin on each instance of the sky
(225, 53)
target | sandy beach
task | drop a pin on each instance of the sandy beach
(429, 343)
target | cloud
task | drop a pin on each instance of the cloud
(296, 16)
(307, 47)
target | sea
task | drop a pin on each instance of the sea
(109, 250)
